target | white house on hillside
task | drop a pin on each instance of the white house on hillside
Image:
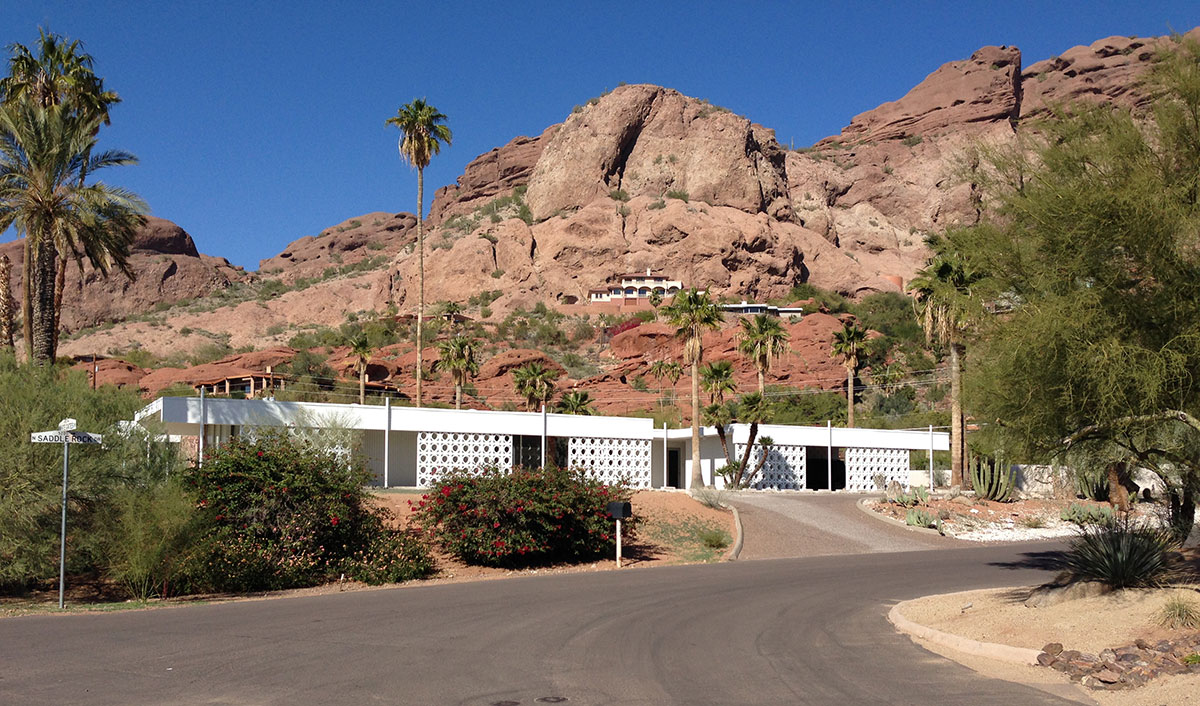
(635, 286)
(412, 447)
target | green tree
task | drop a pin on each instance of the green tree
(946, 301)
(668, 370)
(422, 134)
(41, 158)
(534, 382)
(847, 345)
(1091, 251)
(576, 402)
(762, 339)
(360, 348)
(716, 378)
(60, 73)
(692, 312)
(457, 355)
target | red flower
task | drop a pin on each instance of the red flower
(333, 520)
(260, 454)
(495, 525)
(446, 490)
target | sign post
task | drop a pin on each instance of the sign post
(619, 511)
(65, 435)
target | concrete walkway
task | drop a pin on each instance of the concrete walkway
(791, 525)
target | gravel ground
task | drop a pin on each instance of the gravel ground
(1090, 625)
(779, 525)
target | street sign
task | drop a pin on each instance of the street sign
(65, 437)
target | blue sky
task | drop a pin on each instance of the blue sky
(260, 122)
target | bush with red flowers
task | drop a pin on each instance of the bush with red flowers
(525, 517)
(284, 513)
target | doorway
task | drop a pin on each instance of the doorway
(673, 468)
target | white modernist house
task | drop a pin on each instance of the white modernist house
(635, 285)
(412, 447)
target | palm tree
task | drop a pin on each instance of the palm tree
(6, 304)
(361, 350)
(720, 416)
(847, 345)
(666, 370)
(692, 313)
(60, 74)
(458, 356)
(43, 151)
(422, 132)
(534, 382)
(945, 305)
(717, 380)
(576, 402)
(753, 409)
(762, 339)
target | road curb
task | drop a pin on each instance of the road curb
(736, 549)
(862, 505)
(991, 650)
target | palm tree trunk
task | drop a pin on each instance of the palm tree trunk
(741, 471)
(850, 396)
(458, 395)
(762, 378)
(27, 299)
(362, 385)
(724, 443)
(60, 284)
(697, 476)
(43, 305)
(420, 274)
(6, 305)
(957, 442)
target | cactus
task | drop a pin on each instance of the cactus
(918, 496)
(920, 518)
(993, 479)
(1084, 515)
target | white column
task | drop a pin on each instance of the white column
(543, 435)
(931, 457)
(203, 421)
(387, 439)
(829, 454)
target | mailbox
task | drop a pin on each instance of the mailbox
(620, 510)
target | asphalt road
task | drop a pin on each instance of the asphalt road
(789, 631)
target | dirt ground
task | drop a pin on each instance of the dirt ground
(1087, 625)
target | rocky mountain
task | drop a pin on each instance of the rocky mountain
(642, 177)
(167, 269)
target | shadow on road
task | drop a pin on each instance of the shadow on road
(1055, 560)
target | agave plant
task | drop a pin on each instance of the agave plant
(1124, 553)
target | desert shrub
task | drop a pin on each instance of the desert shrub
(656, 205)
(912, 140)
(618, 195)
(1091, 482)
(677, 194)
(645, 315)
(1179, 613)
(710, 497)
(715, 538)
(624, 326)
(1122, 554)
(33, 399)
(283, 512)
(523, 518)
(150, 537)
